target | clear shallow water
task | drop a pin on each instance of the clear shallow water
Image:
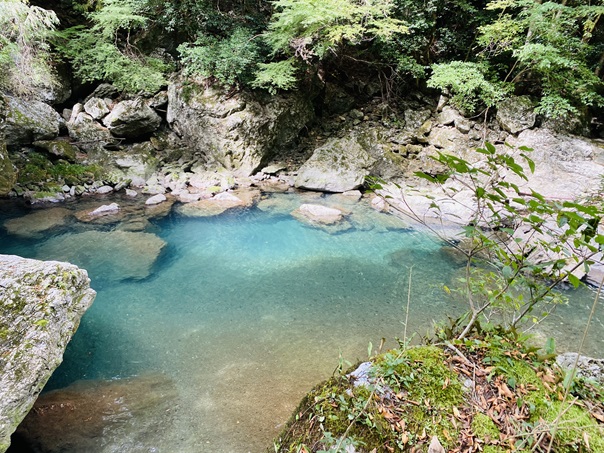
(245, 312)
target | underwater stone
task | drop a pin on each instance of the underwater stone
(116, 255)
(41, 304)
(34, 224)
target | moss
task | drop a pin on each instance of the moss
(485, 429)
(574, 426)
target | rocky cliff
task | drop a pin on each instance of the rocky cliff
(41, 303)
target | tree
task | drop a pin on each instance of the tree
(541, 48)
(25, 60)
(305, 32)
(517, 245)
(106, 52)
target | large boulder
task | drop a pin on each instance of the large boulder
(131, 119)
(36, 223)
(29, 120)
(87, 133)
(240, 131)
(338, 166)
(516, 114)
(41, 304)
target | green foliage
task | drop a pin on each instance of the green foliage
(518, 245)
(104, 51)
(280, 75)
(230, 60)
(24, 51)
(311, 30)
(469, 85)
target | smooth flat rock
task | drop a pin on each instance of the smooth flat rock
(41, 303)
(114, 255)
(34, 224)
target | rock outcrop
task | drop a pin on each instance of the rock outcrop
(41, 303)
(239, 131)
(516, 114)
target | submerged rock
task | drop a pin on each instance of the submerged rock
(126, 415)
(41, 303)
(32, 225)
(115, 255)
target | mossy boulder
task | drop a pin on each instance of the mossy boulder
(41, 303)
(59, 148)
(490, 391)
(29, 120)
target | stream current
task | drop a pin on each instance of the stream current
(240, 316)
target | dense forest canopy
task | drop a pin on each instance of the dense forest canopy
(478, 52)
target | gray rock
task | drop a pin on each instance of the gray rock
(60, 148)
(463, 125)
(338, 166)
(448, 116)
(87, 133)
(447, 138)
(104, 90)
(41, 305)
(96, 108)
(236, 132)
(132, 119)
(103, 190)
(131, 193)
(28, 121)
(516, 114)
(336, 100)
(587, 367)
(155, 199)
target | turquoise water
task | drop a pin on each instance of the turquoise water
(244, 312)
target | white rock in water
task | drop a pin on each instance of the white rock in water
(156, 199)
(104, 190)
(105, 209)
(316, 210)
(131, 193)
(225, 196)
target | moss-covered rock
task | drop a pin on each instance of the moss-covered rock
(41, 304)
(28, 121)
(489, 393)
